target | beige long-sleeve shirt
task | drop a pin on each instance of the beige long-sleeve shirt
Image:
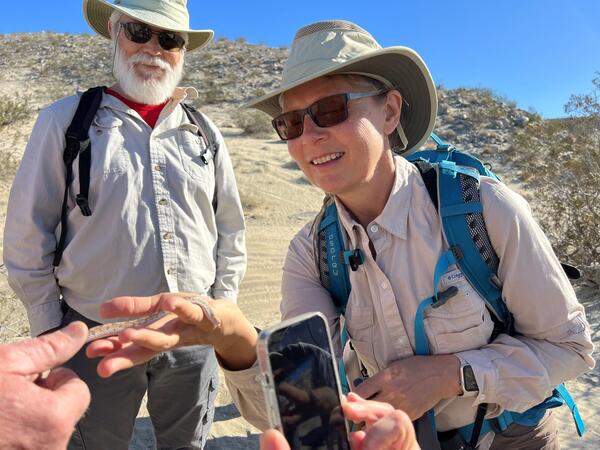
(161, 219)
(513, 372)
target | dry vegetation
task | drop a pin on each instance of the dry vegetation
(555, 163)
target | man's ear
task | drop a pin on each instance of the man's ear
(393, 109)
(109, 25)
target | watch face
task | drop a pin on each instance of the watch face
(469, 379)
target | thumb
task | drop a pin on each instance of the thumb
(273, 440)
(46, 352)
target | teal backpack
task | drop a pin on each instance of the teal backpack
(455, 176)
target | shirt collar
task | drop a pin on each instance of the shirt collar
(394, 217)
(180, 94)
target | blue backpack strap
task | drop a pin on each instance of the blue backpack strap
(458, 204)
(333, 261)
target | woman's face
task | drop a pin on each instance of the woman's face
(343, 158)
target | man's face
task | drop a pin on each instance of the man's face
(146, 72)
(342, 158)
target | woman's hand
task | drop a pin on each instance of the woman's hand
(234, 339)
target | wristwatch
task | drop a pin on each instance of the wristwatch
(468, 381)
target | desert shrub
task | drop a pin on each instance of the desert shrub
(565, 176)
(13, 109)
(254, 123)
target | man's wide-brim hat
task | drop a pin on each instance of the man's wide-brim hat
(341, 47)
(170, 15)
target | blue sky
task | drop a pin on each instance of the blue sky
(534, 52)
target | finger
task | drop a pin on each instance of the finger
(356, 440)
(273, 440)
(73, 393)
(129, 306)
(187, 312)
(46, 352)
(103, 347)
(156, 340)
(359, 410)
(124, 359)
(394, 431)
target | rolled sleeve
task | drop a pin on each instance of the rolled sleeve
(552, 343)
(246, 391)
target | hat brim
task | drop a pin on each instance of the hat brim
(402, 67)
(98, 12)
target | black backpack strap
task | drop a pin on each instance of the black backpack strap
(430, 179)
(205, 131)
(78, 143)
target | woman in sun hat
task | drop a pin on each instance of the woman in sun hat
(346, 108)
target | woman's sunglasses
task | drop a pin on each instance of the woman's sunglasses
(325, 112)
(140, 33)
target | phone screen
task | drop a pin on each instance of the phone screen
(306, 386)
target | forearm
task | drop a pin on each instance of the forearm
(517, 373)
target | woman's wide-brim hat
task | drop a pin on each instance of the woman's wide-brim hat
(170, 15)
(341, 47)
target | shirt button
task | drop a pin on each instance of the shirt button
(384, 285)
(167, 236)
(158, 168)
(374, 228)
(170, 271)
(162, 201)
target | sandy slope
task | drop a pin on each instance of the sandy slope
(277, 201)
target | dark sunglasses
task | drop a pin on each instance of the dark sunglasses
(140, 33)
(325, 112)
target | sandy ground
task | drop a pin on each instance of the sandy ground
(277, 201)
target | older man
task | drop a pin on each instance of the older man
(162, 213)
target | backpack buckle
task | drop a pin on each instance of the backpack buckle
(83, 204)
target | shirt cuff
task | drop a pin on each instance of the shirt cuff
(44, 317)
(485, 374)
(224, 293)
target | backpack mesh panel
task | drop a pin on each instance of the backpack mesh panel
(477, 229)
(322, 255)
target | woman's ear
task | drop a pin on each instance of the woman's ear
(393, 109)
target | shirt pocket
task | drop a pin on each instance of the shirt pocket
(359, 324)
(462, 323)
(192, 148)
(107, 144)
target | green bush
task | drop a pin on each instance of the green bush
(13, 109)
(561, 159)
(254, 123)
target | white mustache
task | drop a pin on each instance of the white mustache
(140, 58)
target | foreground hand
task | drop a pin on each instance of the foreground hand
(38, 412)
(386, 428)
(234, 340)
(414, 384)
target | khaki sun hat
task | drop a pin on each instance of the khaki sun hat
(341, 47)
(170, 15)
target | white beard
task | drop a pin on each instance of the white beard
(149, 90)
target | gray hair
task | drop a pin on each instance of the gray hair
(114, 21)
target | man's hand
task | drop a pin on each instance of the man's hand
(415, 384)
(386, 428)
(234, 340)
(36, 411)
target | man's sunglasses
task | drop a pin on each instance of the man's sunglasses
(325, 112)
(140, 33)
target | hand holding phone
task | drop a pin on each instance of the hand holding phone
(300, 380)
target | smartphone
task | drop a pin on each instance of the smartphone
(300, 381)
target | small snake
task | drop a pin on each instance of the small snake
(113, 329)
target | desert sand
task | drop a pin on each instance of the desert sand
(277, 201)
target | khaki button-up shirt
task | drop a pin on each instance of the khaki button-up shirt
(513, 372)
(161, 219)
